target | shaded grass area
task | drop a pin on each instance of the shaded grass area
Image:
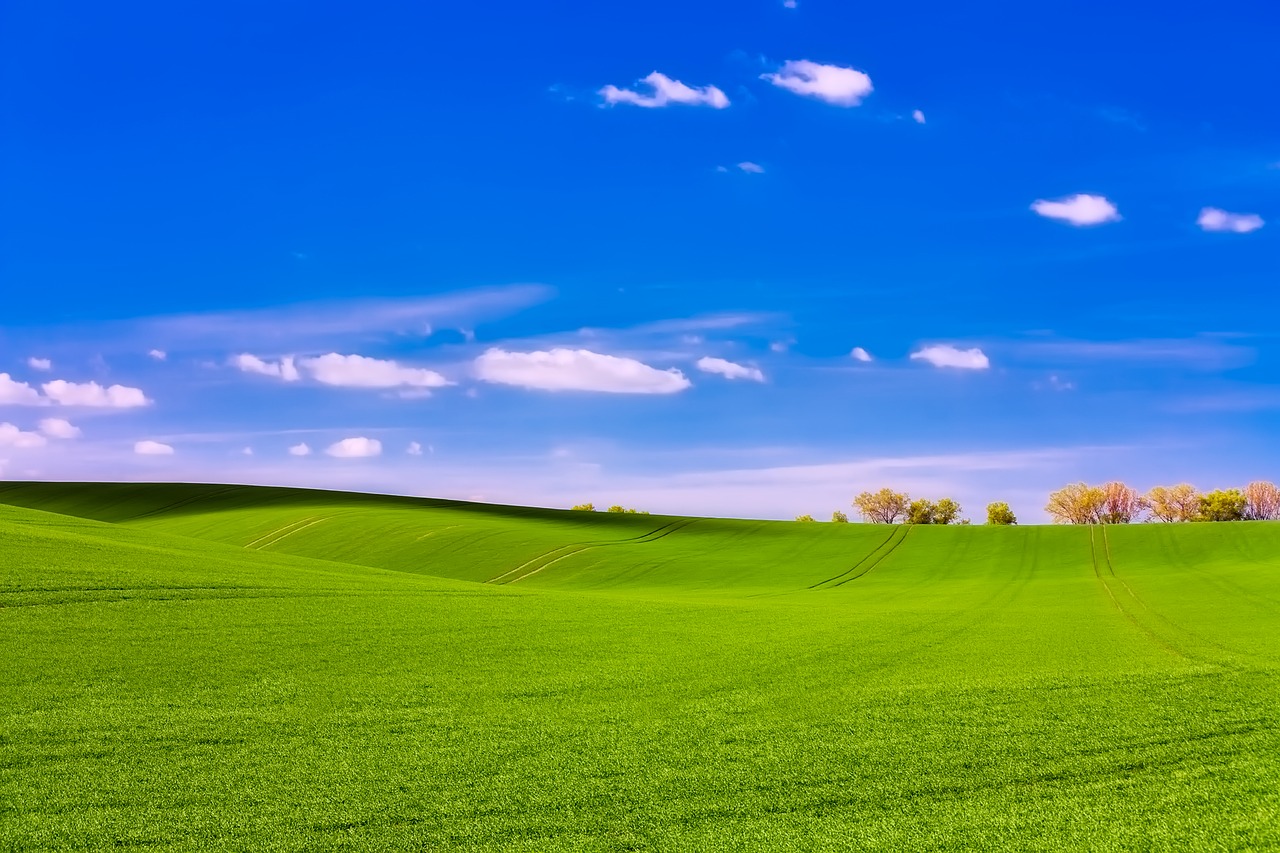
(1033, 688)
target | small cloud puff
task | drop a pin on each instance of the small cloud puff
(835, 84)
(917, 116)
(355, 448)
(414, 449)
(577, 370)
(59, 428)
(944, 355)
(39, 363)
(859, 354)
(91, 394)
(751, 168)
(158, 354)
(282, 369)
(1216, 219)
(1079, 209)
(729, 370)
(300, 449)
(666, 92)
(152, 448)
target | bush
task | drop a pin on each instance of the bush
(839, 517)
(1000, 513)
(585, 507)
(805, 517)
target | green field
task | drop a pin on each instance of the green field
(240, 668)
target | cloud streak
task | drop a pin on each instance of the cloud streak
(577, 370)
(664, 92)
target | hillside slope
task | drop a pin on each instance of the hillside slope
(194, 667)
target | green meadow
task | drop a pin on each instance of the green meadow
(196, 667)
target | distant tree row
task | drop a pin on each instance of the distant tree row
(889, 507)
(589, 507)
(1118, 503)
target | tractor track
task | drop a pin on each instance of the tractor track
(874, 558)
(575, 548)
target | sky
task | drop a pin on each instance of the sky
(743, 259)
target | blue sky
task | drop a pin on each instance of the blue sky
(555, 253)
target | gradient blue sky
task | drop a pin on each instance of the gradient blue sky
(556, 298)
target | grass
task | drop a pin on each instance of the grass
(237, 668)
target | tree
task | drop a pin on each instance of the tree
(1000, 513)
(839, 517)
(616, 508)
(1223, 505)
(921, 511)
(945, 511)
(805, 518)
(884, 507)
(1078, 503)
(586, 507)
(1120, 504)
(1262, 501)
(1174, 503)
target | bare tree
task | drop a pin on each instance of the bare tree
(1120, 504)
(1262, 501)
(1174, 503)
(884, 507)
(1078, 503)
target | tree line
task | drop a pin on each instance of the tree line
(1119, 503)
(889, 507)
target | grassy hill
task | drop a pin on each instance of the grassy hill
(215, 667)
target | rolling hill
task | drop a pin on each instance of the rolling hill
(231, 667)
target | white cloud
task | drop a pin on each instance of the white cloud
(94, 395)
(11, 436)
(1079, 209)
(414, 449)
(577, 370)
(58, 428)
(944, 355)
(247, 451)
(152, 448)
(752, 168)
(859, 354)
(665, 92)
(845, 87)
(781, 346)
(301, 449)
(158, 354)
(358, 371)
(917, 116)
(729, 370)
(355, 448)
(39, 363)
(790, 4)
(282, 369)
(1216, 219)
(15, 393)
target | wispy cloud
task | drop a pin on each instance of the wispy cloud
(751, 168)
(41, 364)
(152, 448)
(945, 355)
(835, 84)
(358, 447)
(1079, 210)
(729, 369)
(665, 91)
(577, 370)
(358, 371)
(284, 369)
(59, 428)
(12, 436)
(1204, 352)
(1216, 219)
(15, 393)
(93, 395)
